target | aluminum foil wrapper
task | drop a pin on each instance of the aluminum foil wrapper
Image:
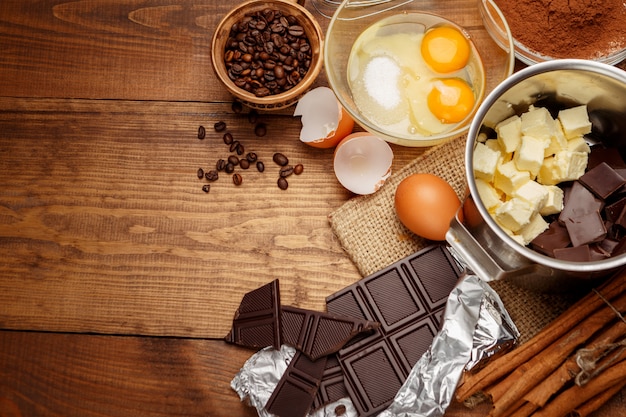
(476, 325)
(258, 377)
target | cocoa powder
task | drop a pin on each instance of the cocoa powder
(587, 29)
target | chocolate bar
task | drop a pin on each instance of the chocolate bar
(332, 387)
(296, 390)
(408, 299)
(257, 320)
(319, 334)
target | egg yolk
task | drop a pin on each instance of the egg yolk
(450, 100)
(445, 49)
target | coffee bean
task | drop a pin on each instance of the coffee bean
(296, 30)
(260, 129)
(219, 126)
(233, 146)
(260, 166)
(212, 175)
(282, 183)
(201, 132)
(228, 138)
(298, 169)
(251, 157)
(280, 159)
(286, 171)
(237, 179)
(220, 165)
(237, 107)
(253, 116)
(206, 188)
(230, 168)
(232, 159)
(244, 163)
(200, 173)
(240, 149)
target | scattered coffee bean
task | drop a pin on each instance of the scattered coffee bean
(232, 159)
(298, 169)
(237, 107)
(201, 132)
(253, 116)
(240, 149)
(260, 166)
(286, 171)
(233, 146)
(280, 159)
(200, 173)
(260, 129)
(230, 168)
(228, 138)
(220, 165)
(206, 188)
(244, 163)
(282, 183)
(212, 175)
(237, 179)
(251, 157)
(219, 126)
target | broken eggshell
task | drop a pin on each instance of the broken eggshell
(324, 121)
(362, 162)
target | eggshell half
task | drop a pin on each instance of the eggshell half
(324, 121)
(362, 162)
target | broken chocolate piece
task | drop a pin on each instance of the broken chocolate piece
(319, 334)
(602, 180)
(555, 237)
(585, 229)
(296, 390)
(257, 320)
(408, 299)
(576, 254)
(580, 201)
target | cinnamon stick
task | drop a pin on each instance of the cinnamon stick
(596, 402)
(542, 365)
(504, 364)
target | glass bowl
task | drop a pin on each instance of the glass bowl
(496, 25)
(352, 17)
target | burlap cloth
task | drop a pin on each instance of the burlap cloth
(374, 238)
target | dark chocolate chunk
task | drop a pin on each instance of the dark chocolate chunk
(602, 180)
(408, 299)
(585, 229)
(580, 201)
(612, 211)
(296, 390)
(319, 334)
(333, 386)
(257, 320)
(576, 254)
(555, 237)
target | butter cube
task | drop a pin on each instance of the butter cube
(578, 144)
(488, 195)
(558, 142)
(485, 162)
(509, 133)
(563, 166)
(538, 122)
(534, 193)
(508, 178)
(554, 203)
(514, 214)
(533, 228)
(493, 145)
(529, 155)
(575, 121)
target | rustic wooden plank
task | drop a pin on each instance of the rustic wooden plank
(104, 226)
(47, 374)
(128, 49)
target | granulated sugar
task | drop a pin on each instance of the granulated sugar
(381, 81)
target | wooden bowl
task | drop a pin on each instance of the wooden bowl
(312, 31)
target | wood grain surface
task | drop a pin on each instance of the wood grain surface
(118, 275)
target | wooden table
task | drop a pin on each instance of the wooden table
(119, 276)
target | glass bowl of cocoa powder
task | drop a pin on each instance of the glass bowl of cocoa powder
(267, 53)
(544, 30)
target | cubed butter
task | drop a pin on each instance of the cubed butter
(509, 133)
(578, 144)
(575, 121)
(538, 123)
(530, 154)
(563, 166)
(508, 178)
(488, 195)
(554, 203)
(485, 162)
(558, 142)
(514, 214)
(533, 228)
(534, 193)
